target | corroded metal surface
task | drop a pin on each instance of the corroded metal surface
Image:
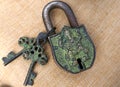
(32, 50)
(72, 48)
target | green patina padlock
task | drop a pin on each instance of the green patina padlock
(72, 48)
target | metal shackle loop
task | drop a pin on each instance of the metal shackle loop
(62, 5)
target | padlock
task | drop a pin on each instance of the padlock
(72, 48)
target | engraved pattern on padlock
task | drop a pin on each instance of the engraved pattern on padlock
(72, 48)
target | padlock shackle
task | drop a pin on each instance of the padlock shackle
(62, 5)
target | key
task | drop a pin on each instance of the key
(30, 75)
(36, 55)
(31, 50)
(11, 56)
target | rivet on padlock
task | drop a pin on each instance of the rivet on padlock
(72, 48)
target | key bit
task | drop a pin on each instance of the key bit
(11, 56)
(30, 75)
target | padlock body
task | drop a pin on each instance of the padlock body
(73, 49)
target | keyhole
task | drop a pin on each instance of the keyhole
(79, 62)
